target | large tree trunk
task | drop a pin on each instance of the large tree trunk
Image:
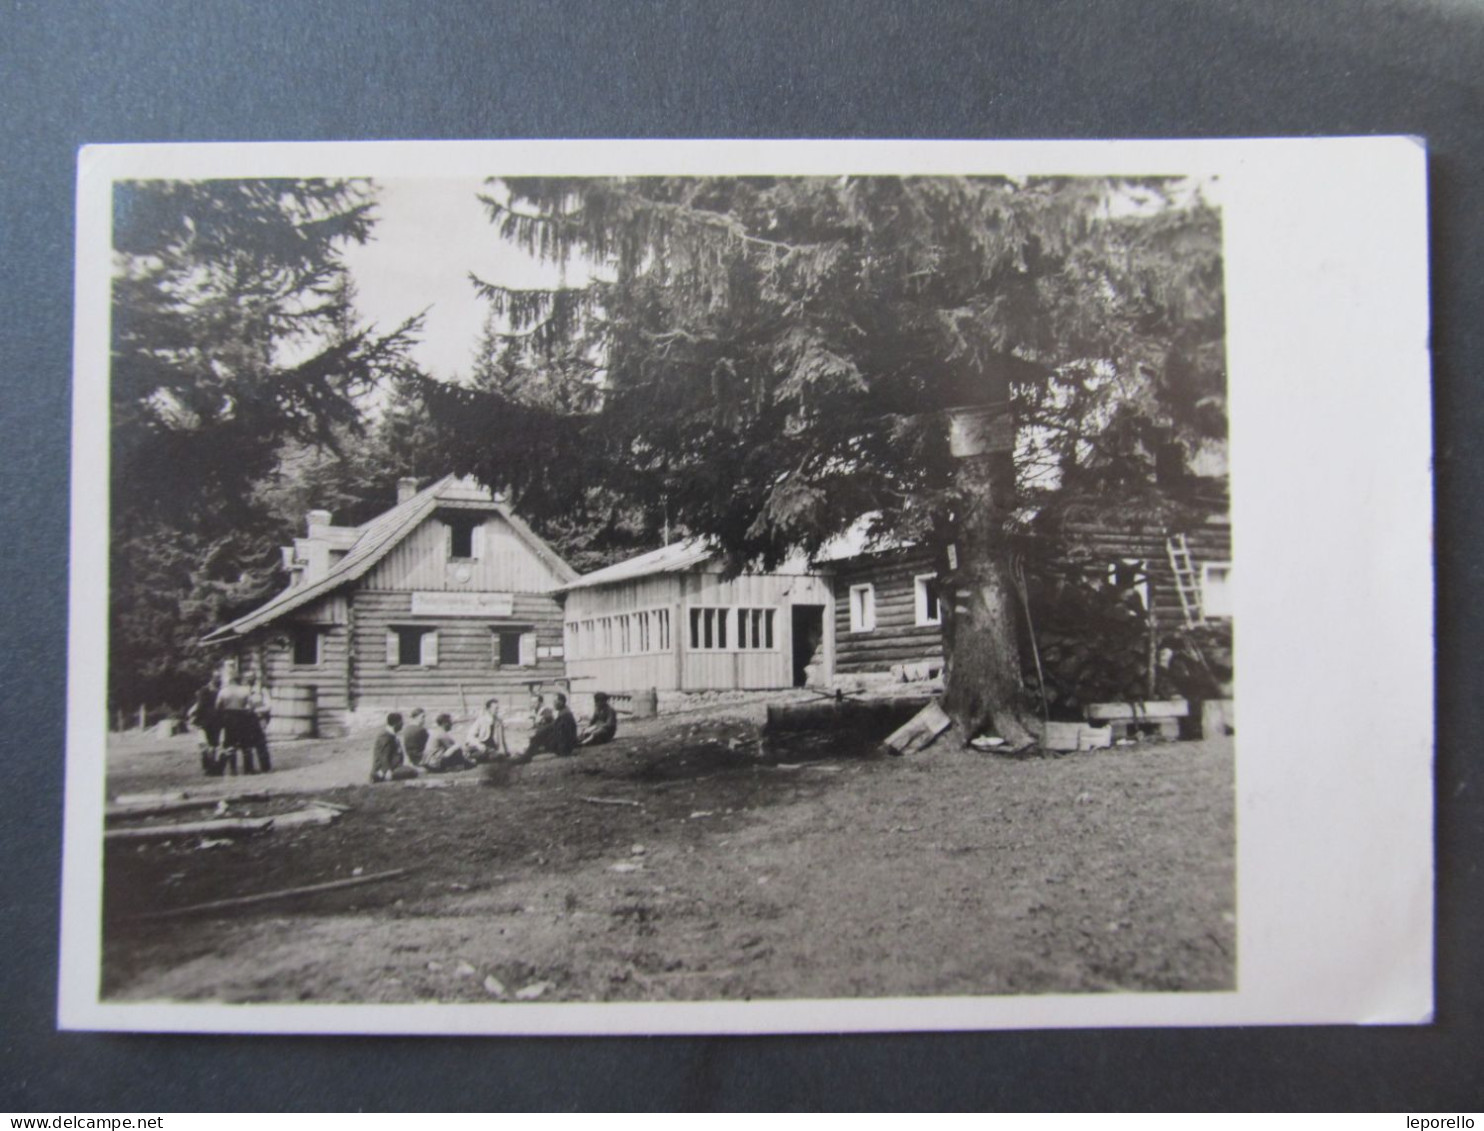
(982, 675)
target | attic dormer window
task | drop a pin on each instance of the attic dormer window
(461, 540)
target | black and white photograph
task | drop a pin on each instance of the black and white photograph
(528, 584)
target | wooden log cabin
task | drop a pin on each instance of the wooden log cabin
(886, 613)
(438, 603)
(1147, 558)
(671, 620)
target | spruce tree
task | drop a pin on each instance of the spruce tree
(235, 352)
(775, 358)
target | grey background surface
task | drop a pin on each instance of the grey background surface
(238, 70)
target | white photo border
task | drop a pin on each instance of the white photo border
(1325, 245)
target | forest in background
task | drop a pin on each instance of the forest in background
(759, 360)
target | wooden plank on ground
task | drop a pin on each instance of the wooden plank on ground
(1151, 710)
(192, 828)
(264, 897)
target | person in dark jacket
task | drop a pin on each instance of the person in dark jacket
(388, 763)
(204, 717)
(260, 703)
(556, 735)
(602, 726)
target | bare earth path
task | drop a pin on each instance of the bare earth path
(815, 870)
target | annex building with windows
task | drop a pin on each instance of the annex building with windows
(672, 620)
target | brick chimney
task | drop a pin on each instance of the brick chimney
(406, 488)
(315, 518)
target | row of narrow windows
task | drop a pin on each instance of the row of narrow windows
(707, 628)
(625, 634)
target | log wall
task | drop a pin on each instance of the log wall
(272, 648)
(467, 654)
(1208, 542)
(897, 637)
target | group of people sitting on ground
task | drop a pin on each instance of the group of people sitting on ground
(233, 720)
(408, 747)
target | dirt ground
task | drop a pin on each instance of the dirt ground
(689, 860)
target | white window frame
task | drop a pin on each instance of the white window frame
(719, 620)
(863, 607)
(752, 622)
(919, 600)
(1206, 610)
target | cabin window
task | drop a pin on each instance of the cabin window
(862, 608)
(925, 598)
(461, 539)
(514, 647)
(507, 648)
(755, 628)
(1216, 589)
(411, 646)
(708, 629)
(306, 645)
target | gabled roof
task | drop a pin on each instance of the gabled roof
(677, 557)
(376, 540)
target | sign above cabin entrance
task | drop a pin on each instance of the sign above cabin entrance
(432, 603)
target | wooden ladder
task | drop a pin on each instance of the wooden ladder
(1187, 581)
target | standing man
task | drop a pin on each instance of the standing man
(261, 705)
(203, 716)
(239, 724)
